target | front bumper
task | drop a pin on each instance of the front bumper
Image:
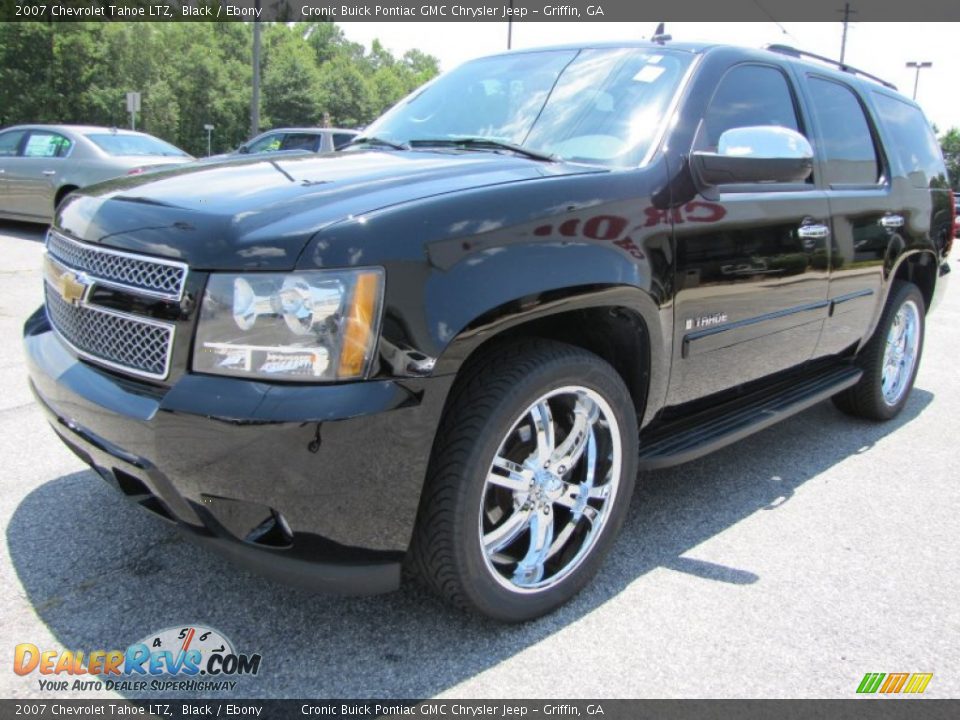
(317, 486)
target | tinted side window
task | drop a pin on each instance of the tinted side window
(268, 143)
(847, 147)
(913, 141)
(300, 141)
(10, 141)
(341, 139)
(46, 144)
(748, 95)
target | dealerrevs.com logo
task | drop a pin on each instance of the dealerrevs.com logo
(190, 658)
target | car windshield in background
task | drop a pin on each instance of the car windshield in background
(126, 145)
(601, 106)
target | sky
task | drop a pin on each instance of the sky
(882, 49)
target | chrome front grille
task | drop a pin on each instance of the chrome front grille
(125, 341)
(117, 340)
(114, 267)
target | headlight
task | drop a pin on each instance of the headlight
(317, 325)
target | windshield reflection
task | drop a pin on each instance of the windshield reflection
(600, 106)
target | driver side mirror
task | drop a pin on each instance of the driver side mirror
(759, 154)
(243, 149)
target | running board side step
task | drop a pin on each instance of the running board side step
(689, 438)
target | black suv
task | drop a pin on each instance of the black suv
(452, 346)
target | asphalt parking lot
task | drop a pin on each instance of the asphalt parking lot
(787, 565)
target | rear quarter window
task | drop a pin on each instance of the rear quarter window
(913, 141)
(122, 145)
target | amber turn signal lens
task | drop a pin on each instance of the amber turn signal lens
(359, 337)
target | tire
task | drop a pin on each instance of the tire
(870, 398)
(492, 412)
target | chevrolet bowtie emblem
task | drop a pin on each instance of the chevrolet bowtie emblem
(71, 285)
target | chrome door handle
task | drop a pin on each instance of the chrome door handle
(891, 222)
(813, 232)
(49, 172)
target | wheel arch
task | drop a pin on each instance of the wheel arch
(62, 192)
(620, 324)
(918, 267)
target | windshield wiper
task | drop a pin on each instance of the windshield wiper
(377, 142)
(482, 143)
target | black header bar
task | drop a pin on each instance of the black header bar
(470, 10)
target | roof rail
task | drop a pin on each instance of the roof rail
(794, 52)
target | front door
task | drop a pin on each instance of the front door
(752, 263)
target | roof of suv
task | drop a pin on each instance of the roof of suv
(781, 52)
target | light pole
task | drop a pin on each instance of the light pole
(847, 12)
(255, 95)
(209, 128)
(916, 80)
(510, 27)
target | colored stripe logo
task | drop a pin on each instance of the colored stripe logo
(894, 683)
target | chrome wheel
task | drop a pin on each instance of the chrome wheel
(550, 489)
(900, 352)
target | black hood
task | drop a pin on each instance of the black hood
(261, 212)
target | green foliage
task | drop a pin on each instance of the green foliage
(291, 80)
(950, 144)
(191, 74)
(347, 94)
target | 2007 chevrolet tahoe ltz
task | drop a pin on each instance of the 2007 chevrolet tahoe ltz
(452, 346)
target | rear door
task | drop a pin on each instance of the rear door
(32, 177)
(856, 177)
(751, 278)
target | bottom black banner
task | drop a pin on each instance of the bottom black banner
(874, 709)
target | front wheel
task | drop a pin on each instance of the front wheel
(889, 359)
(531, 477)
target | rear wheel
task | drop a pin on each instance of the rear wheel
(530, 481)
(890, 359)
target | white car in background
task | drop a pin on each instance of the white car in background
(41, 164)
(318, 140)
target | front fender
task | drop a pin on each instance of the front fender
(463, 266)
(499, 287)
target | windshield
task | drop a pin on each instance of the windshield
(135, 145)
(597, 105)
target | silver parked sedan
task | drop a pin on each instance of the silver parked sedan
(289, 139)
(41, 164)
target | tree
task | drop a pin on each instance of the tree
(191, 74)
(950, 144)
(346, 93)
(161, 110)
(292, 87)
(26, 56)
(422, 67)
